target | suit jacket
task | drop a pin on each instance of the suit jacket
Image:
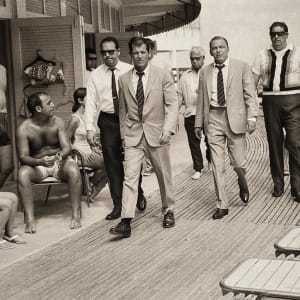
(159, 112)
(241, 98)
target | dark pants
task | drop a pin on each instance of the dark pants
(283, 112)
(194, 144)
(111, 142)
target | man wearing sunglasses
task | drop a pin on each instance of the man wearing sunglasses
(278, 67)
(91, 62)
(188, 96)
(102, 96)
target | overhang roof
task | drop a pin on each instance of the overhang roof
(155, 16)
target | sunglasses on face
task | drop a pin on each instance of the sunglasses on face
(280, 33)
(196, 58)
(110, 52)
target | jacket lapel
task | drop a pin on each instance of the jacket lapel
(130, 85)
(149, 83)
(209, 80)
(229, 76)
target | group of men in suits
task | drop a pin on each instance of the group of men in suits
(139, 111)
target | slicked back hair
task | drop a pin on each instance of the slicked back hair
(34, 100)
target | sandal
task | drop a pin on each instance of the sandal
(14, 239)
(5, 245)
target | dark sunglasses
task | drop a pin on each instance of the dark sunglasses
(110, 52)
(196, 58)
(280, 33)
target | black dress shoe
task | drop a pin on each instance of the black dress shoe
(169, 220)
(141, 203)
(220, 213)
(114, 214)
(277, 191)
(123, 229)
(244, 194)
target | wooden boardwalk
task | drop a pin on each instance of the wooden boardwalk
(185, 262)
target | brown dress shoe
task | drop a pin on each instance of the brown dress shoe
(141, 203)
(123, 229)
(220, 213)
(277, 191)
(114, 214)
(169, 220)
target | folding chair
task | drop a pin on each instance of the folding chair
(289, 243)
(266, 278)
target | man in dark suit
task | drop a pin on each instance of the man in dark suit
(226, 110)
(148, 116)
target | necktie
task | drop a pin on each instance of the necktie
(114, 91)
(220, 86)
(140, 93)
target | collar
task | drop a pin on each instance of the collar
(146, 71)
(289, 46)
(117, 67)
(226, 63)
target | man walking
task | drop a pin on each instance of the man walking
(227, 99)
(278, 66)
(148, 114)
(188, 97)
(102, 96)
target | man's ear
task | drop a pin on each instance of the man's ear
(38, 108)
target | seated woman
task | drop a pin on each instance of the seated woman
(8, 201)
(92, 157)
(8, 210)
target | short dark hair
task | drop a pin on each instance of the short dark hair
(89, 51)
(217, 37)
(79, 93)
(137, 41)
(110, 39)
(279, 24)
(34, 100)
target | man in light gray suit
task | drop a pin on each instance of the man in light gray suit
(227, 109)
(148, 114)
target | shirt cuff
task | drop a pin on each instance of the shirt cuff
(252, 119)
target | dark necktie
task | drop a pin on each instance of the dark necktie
(220, 86)
(140, 93)
(114, 91)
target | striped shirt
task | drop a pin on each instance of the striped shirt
(279, 70)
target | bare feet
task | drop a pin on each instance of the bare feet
(30, 227)
(75, 223)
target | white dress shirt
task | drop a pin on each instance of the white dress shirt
(188, 92)
(214, 87)
(99, 93)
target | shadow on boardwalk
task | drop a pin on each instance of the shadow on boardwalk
(185, 262)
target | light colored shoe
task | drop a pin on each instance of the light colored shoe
(196, 175)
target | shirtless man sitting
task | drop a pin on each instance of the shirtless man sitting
(43, 150)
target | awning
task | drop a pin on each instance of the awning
(156, 16)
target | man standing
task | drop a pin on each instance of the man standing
(279, 68)
(43, 150)
(148, 114)
(91, 63)
(102, 95)
(188, 97)
(227, 99)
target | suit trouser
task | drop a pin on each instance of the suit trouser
(283, 112)
(160, 159)
(113, 155)
(219, 134)
(194, 144)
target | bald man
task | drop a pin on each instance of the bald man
(188, 96)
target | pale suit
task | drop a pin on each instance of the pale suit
(141, 136)
(229, 124)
